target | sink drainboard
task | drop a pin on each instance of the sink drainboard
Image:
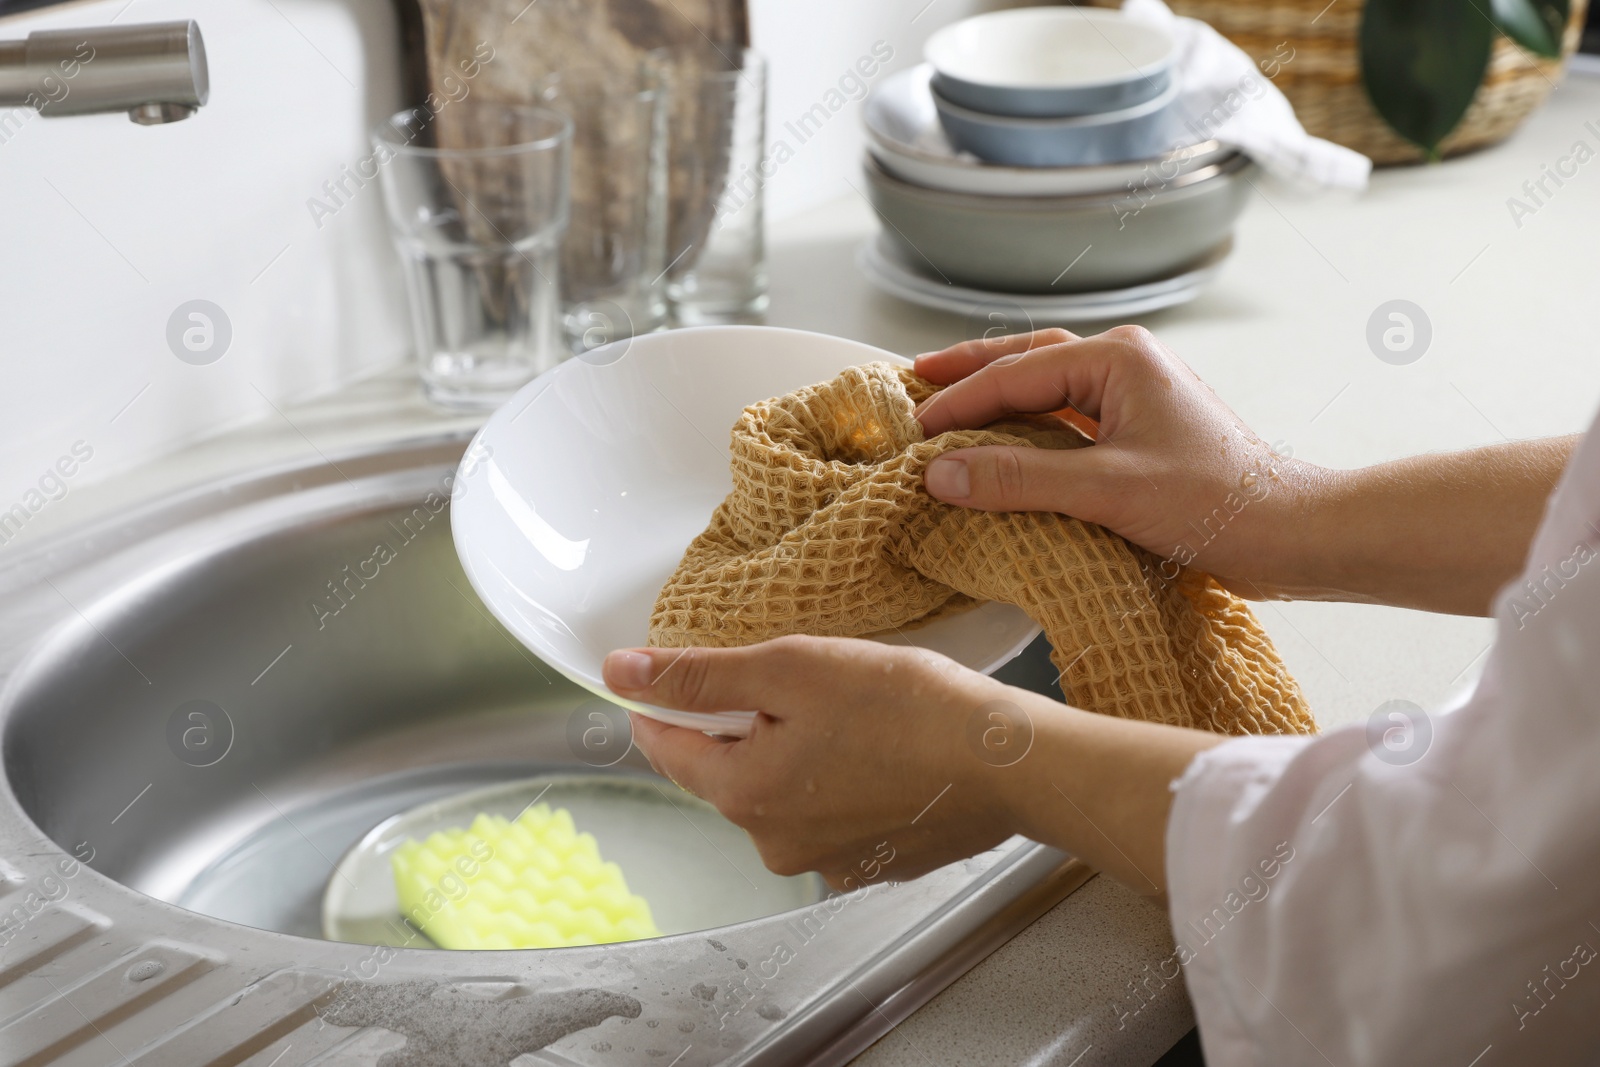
(208, 700)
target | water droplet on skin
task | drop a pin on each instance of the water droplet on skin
(1248, 479)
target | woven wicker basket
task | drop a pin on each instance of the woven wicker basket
(1323, 80)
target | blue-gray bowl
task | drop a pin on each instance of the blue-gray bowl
(1051, 62)
(1140, 132)
(1020, 102)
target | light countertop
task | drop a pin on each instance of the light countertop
(1281, 336)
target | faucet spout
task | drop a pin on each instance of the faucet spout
(155, 71)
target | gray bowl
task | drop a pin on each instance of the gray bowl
(1066, 244)
(1139, 132)
(1051, 61)
(1029, 102)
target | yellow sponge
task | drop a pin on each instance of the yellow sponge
(532, 883)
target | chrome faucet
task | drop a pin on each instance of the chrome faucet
(155, 71)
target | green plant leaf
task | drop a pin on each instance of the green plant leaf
(1536, 25)
(1421, 63)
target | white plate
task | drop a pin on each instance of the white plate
(905, 136)
(575, 501)
(695, 868)
(883, 268)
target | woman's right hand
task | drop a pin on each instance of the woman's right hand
(1172, 469)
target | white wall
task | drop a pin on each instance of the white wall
(107, 227)
(810, 47)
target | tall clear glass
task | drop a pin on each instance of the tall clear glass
(477, 197)
(613, 265)
(716, 235)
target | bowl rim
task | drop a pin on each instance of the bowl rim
(473, 559)
(894, 146)
(887, 145)
(1143, 109)
(1226, 167)
(900, 274)
(940, 40)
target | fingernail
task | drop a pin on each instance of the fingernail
(627, 669)
(947, 479)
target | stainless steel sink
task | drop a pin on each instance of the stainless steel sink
(208, 700)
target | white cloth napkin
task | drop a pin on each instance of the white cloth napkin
(1227, 96)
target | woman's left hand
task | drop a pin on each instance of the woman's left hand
(857, 766)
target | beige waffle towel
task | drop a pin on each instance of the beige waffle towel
(828, 531)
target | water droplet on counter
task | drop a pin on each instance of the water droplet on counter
(145, 970)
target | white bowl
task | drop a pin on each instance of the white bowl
(1050, 62)
(575, 501)
(904, 135)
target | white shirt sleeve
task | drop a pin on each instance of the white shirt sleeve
(1425, 889)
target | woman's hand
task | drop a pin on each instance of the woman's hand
(873, 763)
(1172, 469)
(857, 766)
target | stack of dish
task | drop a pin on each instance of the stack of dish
(1036, 158)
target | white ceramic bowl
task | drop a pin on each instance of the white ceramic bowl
(1049, 62)
(575, 501)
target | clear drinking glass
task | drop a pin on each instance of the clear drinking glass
(716, 238)
(613, 265)
(477, 197)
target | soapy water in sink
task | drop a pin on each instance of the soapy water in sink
(274, 879)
